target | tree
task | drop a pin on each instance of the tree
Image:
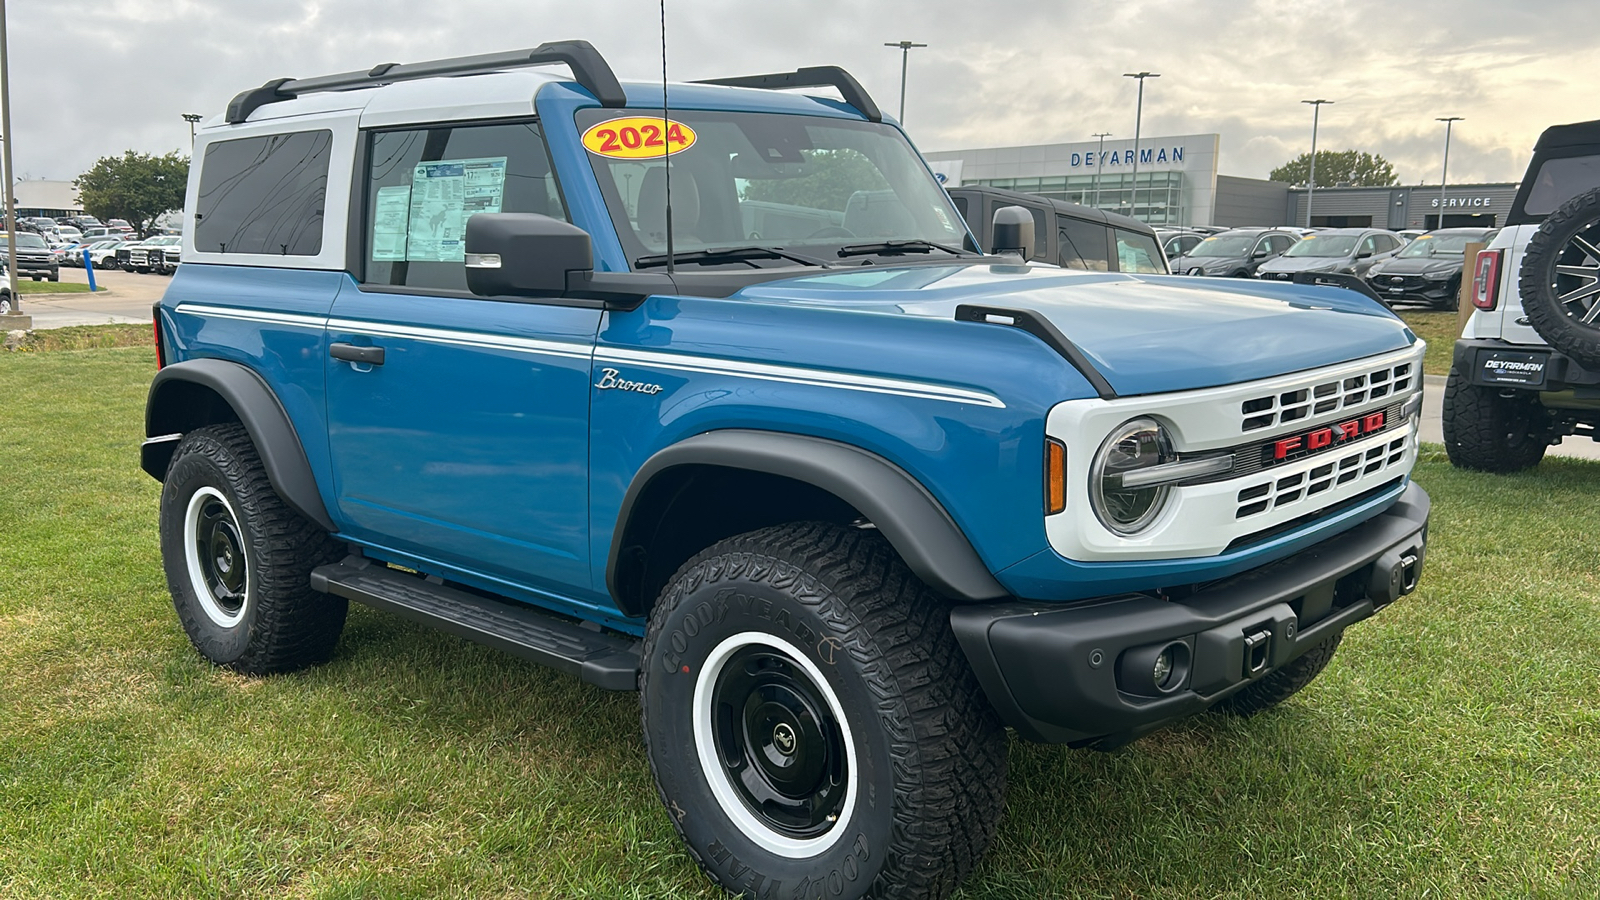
(135, 186)
(1351, 167)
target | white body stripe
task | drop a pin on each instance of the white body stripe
(252, 315)
(575, 349)
(793, 375)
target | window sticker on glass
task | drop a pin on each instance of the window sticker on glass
(443, 195)
(389, 222)
(637, 137)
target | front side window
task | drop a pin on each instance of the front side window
(423, 184)
(263, 194)
(809, 185)
(1280, 242)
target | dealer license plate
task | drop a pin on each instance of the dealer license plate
(1508, 367)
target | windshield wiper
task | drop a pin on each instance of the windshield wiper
(911, 246)
(726, 254)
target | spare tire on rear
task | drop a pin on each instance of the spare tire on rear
(1560, 279)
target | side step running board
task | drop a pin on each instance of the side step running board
(609, 661)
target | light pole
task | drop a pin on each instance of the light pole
(1138, 116)
(1100, 164)
(1311, 182)
(905, 51)
(191, 118)
(1445, 175)
(10, 196)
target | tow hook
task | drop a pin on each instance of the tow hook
(1395, 575)
(1256, 647)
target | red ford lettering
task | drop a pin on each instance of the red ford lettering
(1323, 438)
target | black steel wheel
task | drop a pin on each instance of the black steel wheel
(1560, 279)
(811, 723)
(238, 559)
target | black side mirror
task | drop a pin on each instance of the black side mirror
(1365, 254)
(524, 254)
(1262, 253)
(1013, 232)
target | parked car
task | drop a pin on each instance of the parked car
(841, 504)
(34, 259)
(1524, 372)
(1235, 253)
(103, 253)
(70, 233)
(1341, 251)
(1428, 270)
(158, 254)
(1069, 235)
(1176, 242)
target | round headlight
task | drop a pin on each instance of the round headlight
(1134, 445)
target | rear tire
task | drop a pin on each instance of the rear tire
(811, 723)
(1282, 683)
(1492, 430)
(238, 560)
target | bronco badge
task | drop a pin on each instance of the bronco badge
(609, 381)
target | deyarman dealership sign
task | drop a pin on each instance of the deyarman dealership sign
(1148, 156)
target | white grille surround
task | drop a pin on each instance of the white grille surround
(1202, 520)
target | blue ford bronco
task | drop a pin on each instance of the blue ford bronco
(765, 436)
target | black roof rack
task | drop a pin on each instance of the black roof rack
(811, 76)
(589, 69)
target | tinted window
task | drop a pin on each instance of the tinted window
(264, 195)
(1280, 242)
(961, 207)
(423, 185)
(1041, 232)
(1559, 180)
(1083, 245)
(1137, 253)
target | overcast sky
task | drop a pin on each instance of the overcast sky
(96, 77)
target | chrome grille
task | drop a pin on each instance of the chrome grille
(1322, 398)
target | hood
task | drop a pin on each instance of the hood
(1419, 265)
(1304, 264)
(1146, 334)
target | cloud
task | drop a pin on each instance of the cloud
(94, 80)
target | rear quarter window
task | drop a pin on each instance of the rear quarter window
(264, 194)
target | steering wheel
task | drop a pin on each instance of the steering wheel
(831, 231)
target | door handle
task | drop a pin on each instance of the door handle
(372, 356)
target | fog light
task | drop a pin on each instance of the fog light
(1154, 670)
(1162, 668)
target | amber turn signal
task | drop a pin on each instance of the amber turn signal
(1055, 477)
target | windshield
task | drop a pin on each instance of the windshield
(1439, 245)
(808, 185)
(1224, 245)
(25, 240)
(1318, 245)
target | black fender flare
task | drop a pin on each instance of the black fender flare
(913, 521)
(258, 409)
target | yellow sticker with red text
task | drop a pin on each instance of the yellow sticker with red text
(638, 137)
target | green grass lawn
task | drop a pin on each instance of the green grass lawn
(29, 286)
(1451, 750)
(1440, 330)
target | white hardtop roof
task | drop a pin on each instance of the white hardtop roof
(489, 96)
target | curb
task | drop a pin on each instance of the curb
(103, 292)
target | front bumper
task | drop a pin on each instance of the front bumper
(1072, 675)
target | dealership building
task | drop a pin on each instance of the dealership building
(1178, 184)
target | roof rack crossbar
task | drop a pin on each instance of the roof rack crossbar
(589, 69)
(811, 76)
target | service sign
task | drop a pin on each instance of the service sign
(638, 137)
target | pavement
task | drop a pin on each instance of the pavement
(126, 300)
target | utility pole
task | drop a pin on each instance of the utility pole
(191, 118)
(1138, 117)
(1100, 164)
(1444, 176)
(11, 199)
(905, 51)
(1311, 183)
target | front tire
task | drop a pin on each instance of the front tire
(1490, 429)
(812, 725)
(238, 560)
